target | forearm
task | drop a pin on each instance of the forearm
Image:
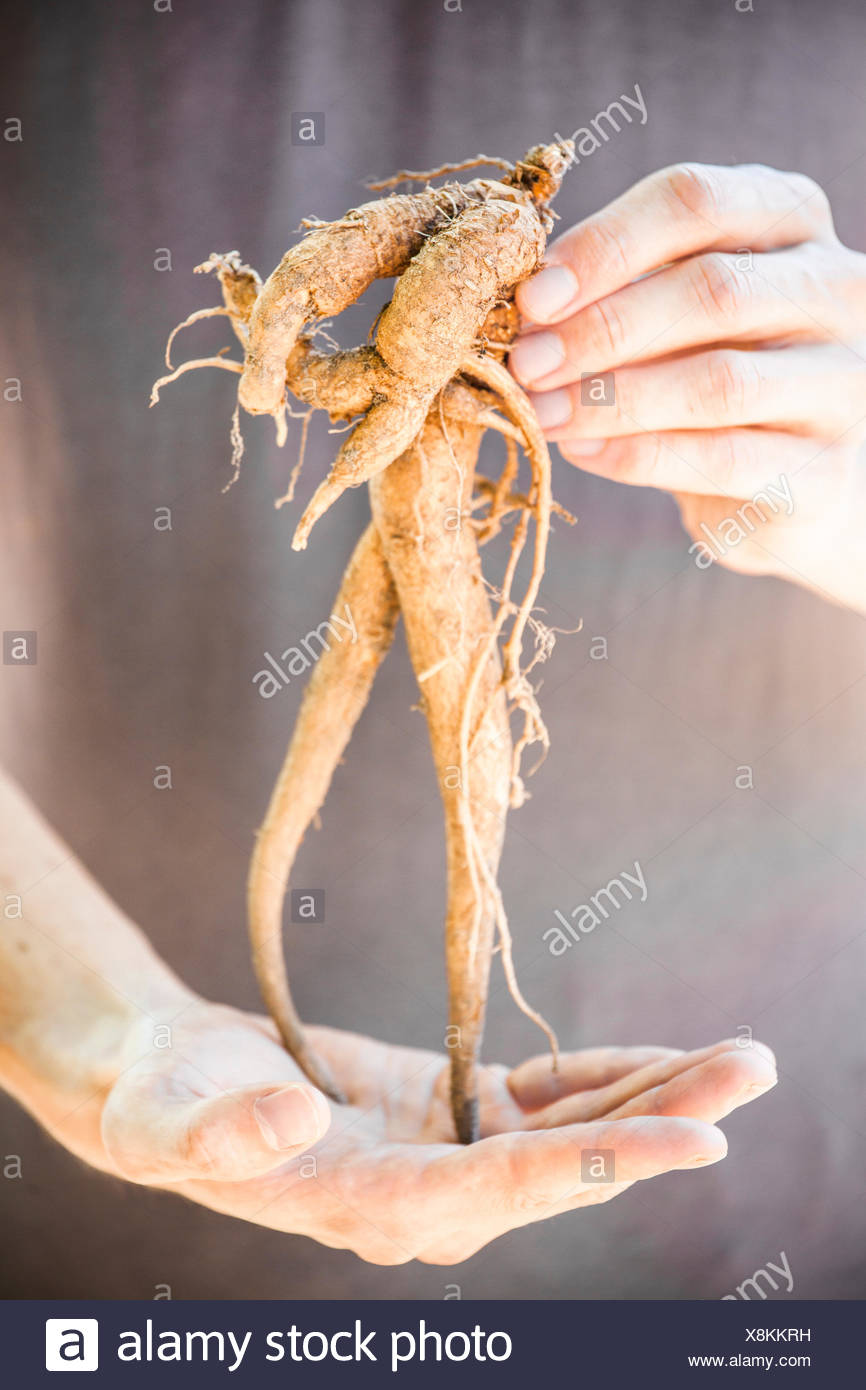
(77, 979)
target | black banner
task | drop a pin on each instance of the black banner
(258, 1344)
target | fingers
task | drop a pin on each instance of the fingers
(609, 1101)
(532, 1171)
(673, 213)
(705, 299)
(814, 389)
(156, 1136)
(534, 1083)
(710, 1090)
(706, 1089)
(532, 1175)
(733, 463)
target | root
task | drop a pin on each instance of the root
(410, 176)
(501, 506)
(516, 406)
(224, 362)
(289, 494)
(505, 945)
(415, 404)
(217, 312)
(329, 269)
(445, 608)
(457, 666)
(237, 448)
(421, 349)
(333, 701)
(501, 491)
(240, 285)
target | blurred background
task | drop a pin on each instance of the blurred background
(149, 130)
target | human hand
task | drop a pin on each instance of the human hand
(738, 361)
(382, 1175)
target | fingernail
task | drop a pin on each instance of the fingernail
(535, 356)
(552, 408)
(583, 447)
(549, 293)
(287, 1118)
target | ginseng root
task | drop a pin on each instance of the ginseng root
(426, 391)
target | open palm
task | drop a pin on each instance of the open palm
(226, 1118)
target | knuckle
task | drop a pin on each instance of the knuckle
(721, 288)
(734, 455)
(810, 193)
(195, 1149)
(603, 244)
(639, 459)
(809, 199)
(849, 282)
(729, 384)
(605, 334)
(650, 466)
(818, 290)
(629, 402)
(696, 188)
(624, 400)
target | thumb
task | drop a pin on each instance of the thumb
(154, 1136)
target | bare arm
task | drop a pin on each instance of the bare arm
(222, 1114)
(76, 976)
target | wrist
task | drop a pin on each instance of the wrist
(77, 980)
(62, 1065)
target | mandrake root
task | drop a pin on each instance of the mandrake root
(416, 402)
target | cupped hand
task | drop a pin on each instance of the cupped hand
(223, 1116)
(705, 333)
